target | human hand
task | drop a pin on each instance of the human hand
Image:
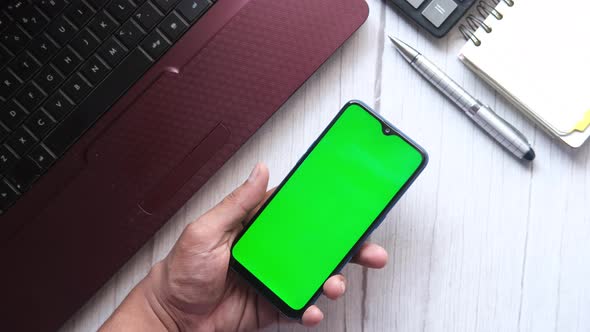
(193, 288)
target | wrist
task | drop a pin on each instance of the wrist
(152, 289)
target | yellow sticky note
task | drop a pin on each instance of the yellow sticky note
(584, 123)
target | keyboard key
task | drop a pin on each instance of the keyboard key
(154, 44)
(76, 88)
(39, 124)
(120, 9)
(79, 13)
(21, 141)
(24, 66)
(97, 4)
(172, 26)
(438, 11)
(61, 30)
(7, 196)
(14, 38)
(147, 16)
(102, 25)
(14, 8)
(5, 57)
(98, 102)
(58, 106)
(7, 158)
(30, 97)
(129, 34)
(166, 5)
(192, 9)
(8, 84)
(43, 48)
(12, 115)
(48, 79)
(112, 52)
(31, 20)
(51, 8)
(3, 132)
(3, 21)
(84, 43)
(24, 174)
(94, 70)
(66, 61)
(41, 156)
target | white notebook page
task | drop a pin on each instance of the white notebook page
(538, 55)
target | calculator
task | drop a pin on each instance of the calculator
(436, 16)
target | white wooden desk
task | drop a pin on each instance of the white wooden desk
(481, 242)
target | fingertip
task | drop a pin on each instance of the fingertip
(312, 316)
(335, 287)
(259, 174)
(371, 255)
(381, 257)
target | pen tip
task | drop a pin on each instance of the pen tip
(395, 41)
(530, 156)
(408, 52)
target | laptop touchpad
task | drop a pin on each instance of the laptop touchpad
(157, 145)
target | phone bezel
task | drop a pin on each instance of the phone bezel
(263, 289)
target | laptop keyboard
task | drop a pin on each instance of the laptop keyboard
(63, 64)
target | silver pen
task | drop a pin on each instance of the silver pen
(512, 139)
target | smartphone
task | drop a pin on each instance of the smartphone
(329, 203)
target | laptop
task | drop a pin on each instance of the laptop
(113, 113)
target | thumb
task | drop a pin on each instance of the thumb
(233, 209)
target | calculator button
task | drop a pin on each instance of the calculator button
(415, 3)
(438, 11)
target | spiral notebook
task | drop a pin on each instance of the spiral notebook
(537, 54)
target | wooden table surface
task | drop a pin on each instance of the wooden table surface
(480, 242)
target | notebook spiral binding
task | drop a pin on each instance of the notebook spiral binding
(473, 22)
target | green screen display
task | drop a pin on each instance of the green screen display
(326, 206)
